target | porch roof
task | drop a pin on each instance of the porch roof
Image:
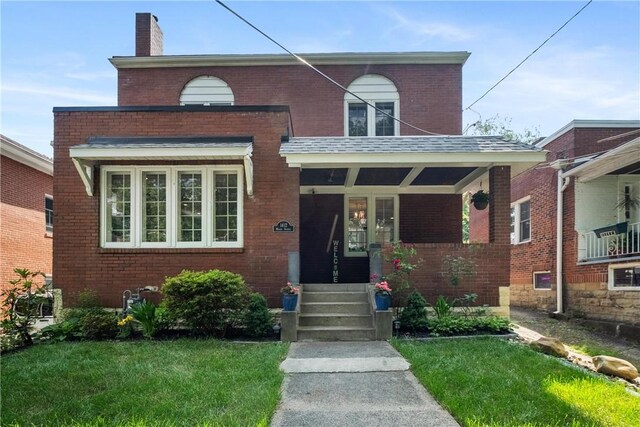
(437, 164)
(624, 159)
(99, 149)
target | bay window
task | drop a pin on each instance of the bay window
(171, 206)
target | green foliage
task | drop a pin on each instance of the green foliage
(414, 316)
(87, 298)
(403, 260)
(498, 125)
(467, 308)
(258, 320)
(457, 267)
(442, 307)
(66, 330)
(145, 314)
(99, 324)
(206, 301)
(459, 325)
(28, 294)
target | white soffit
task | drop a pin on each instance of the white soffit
(617, 158)
(26, 156)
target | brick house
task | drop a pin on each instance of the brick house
(257, 165)
(26, 210)
(599, 164)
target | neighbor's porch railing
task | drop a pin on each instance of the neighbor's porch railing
(593, 248)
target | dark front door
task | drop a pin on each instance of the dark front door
(322, 257)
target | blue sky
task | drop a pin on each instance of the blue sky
(55, 53)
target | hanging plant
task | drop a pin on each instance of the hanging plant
(480, 200)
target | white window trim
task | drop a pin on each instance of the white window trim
(610, 277)
(172, 206)
(48, 232)
(371, 115)
(516, 228)
(371, 212)
(534, 280)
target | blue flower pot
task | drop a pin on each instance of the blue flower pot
(289, 302)
(383, 302)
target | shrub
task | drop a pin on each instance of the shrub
(206, 301)
(258, 320)
(87, 298)
(442, 307)
(66, 330)
(99, 324)
(457, 325)
(152, 319)
(414, 316)
(28, 295)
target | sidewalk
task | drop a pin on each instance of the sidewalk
(353, 384)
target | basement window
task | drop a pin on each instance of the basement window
(624, 277)
(542, 280)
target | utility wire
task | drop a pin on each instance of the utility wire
(305, 62)
(528, 56)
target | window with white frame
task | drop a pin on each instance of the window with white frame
(624, 277)
(48, 213)
(360, 231)
(206, 90)
(521, 221)
(175, 206)
(365, 120)
(542, 280)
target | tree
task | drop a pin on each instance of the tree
(498, 125)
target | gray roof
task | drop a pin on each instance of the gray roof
(404, 144)
(167, 142)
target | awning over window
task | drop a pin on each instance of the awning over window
(99, 149)
(438, 164)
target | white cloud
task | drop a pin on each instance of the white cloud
(427, 29)
(59, 93)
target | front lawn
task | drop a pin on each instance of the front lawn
(182, 382)
(492, 382)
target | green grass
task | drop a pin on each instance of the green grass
(182, 382)
(594, 349)
(492, 382)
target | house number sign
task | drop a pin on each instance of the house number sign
(283, 227)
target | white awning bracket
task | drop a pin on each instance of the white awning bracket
(85, 170)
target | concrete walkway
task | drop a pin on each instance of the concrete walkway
(353, 384)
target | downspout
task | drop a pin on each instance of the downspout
(563, 182)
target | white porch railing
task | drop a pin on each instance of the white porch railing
(593, 248)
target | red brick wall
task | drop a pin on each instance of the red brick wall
(430, 95)
(431, 218)
(80, 263)
(540, 254)
(23, 240)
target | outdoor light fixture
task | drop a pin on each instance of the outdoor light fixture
(396, 327)
(276, 330)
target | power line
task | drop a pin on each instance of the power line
(528, 56)
(305, 62)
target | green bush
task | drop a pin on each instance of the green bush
(99, 324)
(458, 325)
(258, 320)
(152, 319)
(414, 316)
(87, 298)
(206, 301)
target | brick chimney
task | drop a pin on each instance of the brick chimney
(148, 35)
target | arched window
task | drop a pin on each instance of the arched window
(206, 90)
(361, 119)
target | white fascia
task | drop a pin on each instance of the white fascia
(589, 124)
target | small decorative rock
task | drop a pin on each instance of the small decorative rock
(616, 367)
(549, 345)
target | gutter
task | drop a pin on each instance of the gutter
(563, 182)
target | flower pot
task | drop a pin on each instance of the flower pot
(383, 302)
(289, 302)
(480, 205)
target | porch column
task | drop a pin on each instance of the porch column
(500, 204)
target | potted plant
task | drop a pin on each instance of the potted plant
(480, 200)
(289, 297)
(383, 295)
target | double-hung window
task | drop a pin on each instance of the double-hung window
(375, 116)
(521, 221)
(48, 213)
(159, 207)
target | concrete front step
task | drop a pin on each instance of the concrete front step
(334, 287)
(335, 333)
(334, 307)
(310, 296)
(350, 320)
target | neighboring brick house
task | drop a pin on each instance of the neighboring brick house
(251, 162)
(600, 163)
(26, 210)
